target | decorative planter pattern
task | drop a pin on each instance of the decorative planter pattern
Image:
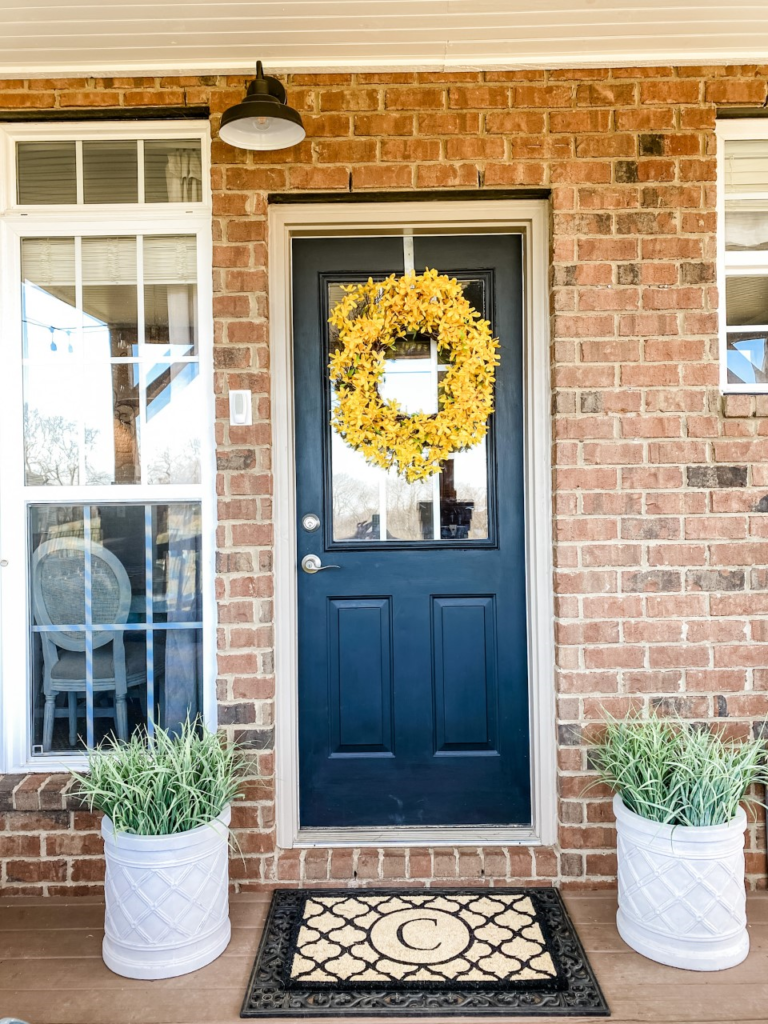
(167, 900)
(682, 899)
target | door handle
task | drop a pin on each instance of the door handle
(312, 564)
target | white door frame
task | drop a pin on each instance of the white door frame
(530, 218)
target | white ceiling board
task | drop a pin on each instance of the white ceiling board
(60, 37)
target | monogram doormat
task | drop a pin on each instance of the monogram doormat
(429, 952)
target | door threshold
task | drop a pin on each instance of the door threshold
(408, 835)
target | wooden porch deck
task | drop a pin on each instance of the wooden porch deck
(51, 971)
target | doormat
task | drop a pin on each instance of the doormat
(429, 952)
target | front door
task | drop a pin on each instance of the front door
(413, 678)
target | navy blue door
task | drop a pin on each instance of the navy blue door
(413, 678)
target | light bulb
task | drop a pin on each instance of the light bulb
(262, 123)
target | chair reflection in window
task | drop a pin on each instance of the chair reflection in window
(60, 589)
(455, 515)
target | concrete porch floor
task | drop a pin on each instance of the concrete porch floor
(51, 971)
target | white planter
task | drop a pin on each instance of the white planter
(167, 900)
(682, 900)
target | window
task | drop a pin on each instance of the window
(743, 251)
(370, 504)
(108, 171)
(106, 444)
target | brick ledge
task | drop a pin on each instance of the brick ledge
(39, 792)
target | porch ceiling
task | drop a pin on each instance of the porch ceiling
(58, 37)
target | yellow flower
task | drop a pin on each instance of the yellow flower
(370, 319)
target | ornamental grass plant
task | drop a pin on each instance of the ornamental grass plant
(677, 773)
(172, 783)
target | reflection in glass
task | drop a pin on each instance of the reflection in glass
(170, 293)
(110, 172)
(88, 569)
(356, 494)
(173, 171)
(52, 438)
(746, 300)
(95, 410)
(171, 440)
(110, 318)
(746, 165)
(747, 358)
(49, 318)
(370, 504)
(746, 229)
(46, 173)
(120, 428)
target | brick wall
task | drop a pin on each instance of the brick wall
(661, 486)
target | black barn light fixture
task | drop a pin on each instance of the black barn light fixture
(263, 120)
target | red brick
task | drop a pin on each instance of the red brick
(480, 97)
(381, 125)
(669, 92)
(36, 870)
(747, 92)
(414, 99)
(349, 99)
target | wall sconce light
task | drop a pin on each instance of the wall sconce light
(263, 120)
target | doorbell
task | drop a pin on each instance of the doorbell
(240, 409)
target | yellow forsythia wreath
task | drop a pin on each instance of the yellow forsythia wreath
(370, 319)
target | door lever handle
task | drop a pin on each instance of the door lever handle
(312, 564)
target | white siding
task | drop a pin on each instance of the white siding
(47, 37)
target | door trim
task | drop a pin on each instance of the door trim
(530, 218)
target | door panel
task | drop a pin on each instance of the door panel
(413, 684)
(465, 665)
(360, 675)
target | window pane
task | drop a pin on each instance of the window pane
(746, 300)
(110, 172)
(747, 356)
(81, 423)
(50, 320)
(110, 304)
(145, 633)
(173, 171)
(746, 165)
(746, 229)
(371, 504)
(46, 173)
(171, 439)
(170, 293)
(98, 409)
(52, 437)
(111, 415)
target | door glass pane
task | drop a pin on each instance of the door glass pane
(370, 503)
(126, 579)
(173, 171)
(110, 172)
(46, 173)
(746, 301)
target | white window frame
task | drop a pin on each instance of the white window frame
(16, 222)
(735, 264)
